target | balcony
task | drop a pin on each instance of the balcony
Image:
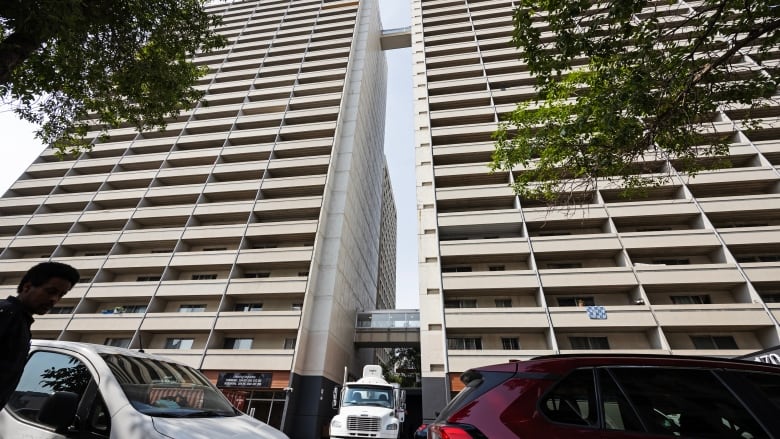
(691, 275)
(104, 322)
(178, 321)
(210, 259)
(280, 286)
(715, 316)
(258, 320)
(568, 244)
(485, 249)
(130, 262)
(511, 319)
(631, 316)
(276, 256)
(492, 281)
(191, 288)
(249, 359)
(463, 360)
(684, 240)
(50, 323)
(121, 290)
(611, 277)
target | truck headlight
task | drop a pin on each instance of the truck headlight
(392, 427)
(335, 423)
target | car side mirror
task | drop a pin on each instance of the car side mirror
(59, 410)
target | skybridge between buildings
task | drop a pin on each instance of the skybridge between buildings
(388, 328)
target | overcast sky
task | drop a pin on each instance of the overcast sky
(18, 149)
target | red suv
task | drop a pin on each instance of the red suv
(615, 396)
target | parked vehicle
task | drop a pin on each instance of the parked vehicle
(615, 396)
(421, 432)
(369, 407)
(81, 390)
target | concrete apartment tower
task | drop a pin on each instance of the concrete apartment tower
(694, 268)
(243, 239)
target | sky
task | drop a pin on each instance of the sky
(19, 148)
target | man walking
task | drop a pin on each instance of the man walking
(39, 290)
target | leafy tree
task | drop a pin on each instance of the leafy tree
(71, 379)
(624, 88)
(72, 66)
(402, 366)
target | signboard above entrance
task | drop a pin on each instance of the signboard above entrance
(244, 379)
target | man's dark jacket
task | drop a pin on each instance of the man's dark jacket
(15, 337)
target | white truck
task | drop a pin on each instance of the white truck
(369, 407)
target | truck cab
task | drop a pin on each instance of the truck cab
(369, 408)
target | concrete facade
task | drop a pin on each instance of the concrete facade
(245, 236)
(694, 268)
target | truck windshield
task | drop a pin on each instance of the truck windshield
(159, 388)
(379, 396)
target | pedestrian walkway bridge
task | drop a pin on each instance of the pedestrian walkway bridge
(389, 328)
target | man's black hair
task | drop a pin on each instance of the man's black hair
(41, 273)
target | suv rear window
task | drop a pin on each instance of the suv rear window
(477, 383)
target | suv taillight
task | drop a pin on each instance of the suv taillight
(447, 432)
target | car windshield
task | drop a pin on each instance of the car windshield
(164, 389)
(368, 395)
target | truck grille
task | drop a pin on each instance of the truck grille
(363, 423)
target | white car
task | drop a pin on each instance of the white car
(80, 390)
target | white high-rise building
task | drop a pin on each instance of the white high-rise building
(244, 238)
(693, 268)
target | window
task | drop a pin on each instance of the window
(204, 276)
(460, 269)
(572, 401)
(192, 308)
(510, 343)
(685, 402)
(576, 301)
(248, 307)
(264, 246)
(303, 273)
(503, 303)
(296, 306)
(214, 249)
(562, 265)
(95, 253)
(496, 268)
(147, 278)
(588, 343)
(460, 303)
(464, 343)
(289, 343)
(653, 229)
(61, 310)
(117, 342)
(134, 309)
(771, 298)
(699, 299)
(671, 261)
(161, 250)
(42, 376)
(178, 343)
(237, 343)
(714, 342)
(257, 275)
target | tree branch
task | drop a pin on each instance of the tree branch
(14, 50)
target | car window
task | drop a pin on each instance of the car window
(44, 374)
(572, 400)
(767, 383)
(618, 413)
(686, 402)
